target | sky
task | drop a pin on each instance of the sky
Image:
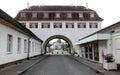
(107, 9)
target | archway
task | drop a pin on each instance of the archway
(59, 37)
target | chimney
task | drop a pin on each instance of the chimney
(86, 5)
(28, 5)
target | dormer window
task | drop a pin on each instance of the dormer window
(34, 15)
(69, 15)
(57, 15)
(46, 15)
(23, 14)
(80, 15)
(92, 15)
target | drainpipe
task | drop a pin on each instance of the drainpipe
(28, 53)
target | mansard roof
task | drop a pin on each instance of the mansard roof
(57, 8)
(63, 13)
(16, 24)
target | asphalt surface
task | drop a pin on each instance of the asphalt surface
(59, 65)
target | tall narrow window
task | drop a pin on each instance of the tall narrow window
(81, 25)
(92, 15)
(57, 15)
(46, 15)
(23, 14)
(57, 25)
(19, 45)
(33, 25)
(45, 25)
(32, 46)
(69, 15)
(9, 43)
(34, 15)
(69, 25)
(80, 15)
(93, 25)
(25, 46)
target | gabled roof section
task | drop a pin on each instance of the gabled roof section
(16, 24)
(57, 8)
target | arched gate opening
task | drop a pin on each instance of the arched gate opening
(57, 37)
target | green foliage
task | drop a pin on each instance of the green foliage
(109, 58)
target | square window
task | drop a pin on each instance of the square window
(69, 15)
(46, 15)
(57, 15)
(33, 25)
(81, 25)
(45, 25)
(81, 15)
(34, 15)
(57, 25)
(93, 25)
(70, 25)
(23, 14)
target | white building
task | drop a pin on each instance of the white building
(101, 42)
(69, 23)
(16, 41)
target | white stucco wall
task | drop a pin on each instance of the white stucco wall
(116, 47)
(72, 33)
(12, 56)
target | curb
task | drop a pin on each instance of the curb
(42, 58)
(88, 65)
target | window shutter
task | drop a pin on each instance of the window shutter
(66, 25)
(72, 25)
(42, 25)
(30, 25)
(48, 25)
(96, 26)
(60, 25)
(78, 25)
(84, 25)
(36, 25)
(54, 25)
(90, 25)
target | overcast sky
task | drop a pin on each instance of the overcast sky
(109, 10)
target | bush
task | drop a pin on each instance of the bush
(109, 58)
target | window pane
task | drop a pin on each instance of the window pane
(34, 15)
(19, 45)
(25, 45)
(69, 15)
(9, 43)
(92, 15)
(57, 25)
(23, 14)
(46, 15)
(57, 15)
(45, 25)
(80, 15)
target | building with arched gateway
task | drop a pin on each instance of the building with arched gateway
(64, 22)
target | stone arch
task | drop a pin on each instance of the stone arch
(60, 37)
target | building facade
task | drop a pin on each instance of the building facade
(64, 22)
(106, 41)
(16, 41)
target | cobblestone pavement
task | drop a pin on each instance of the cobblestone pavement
(59, 65)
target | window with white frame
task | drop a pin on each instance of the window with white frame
(46, 15)
(81, 25)
(57, 25)
(80, 15)
(57, 15)
(33, 25)
(25, 45)
(69, 15)
(23, 14)
(45, 25)
(69, 25)
(34, 15)
(18, 45)
(93, 25)
(9, 43)
(92, 15)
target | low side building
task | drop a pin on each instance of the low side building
(16, 41)
(100, 43)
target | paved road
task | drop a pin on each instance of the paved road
(59, 65)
